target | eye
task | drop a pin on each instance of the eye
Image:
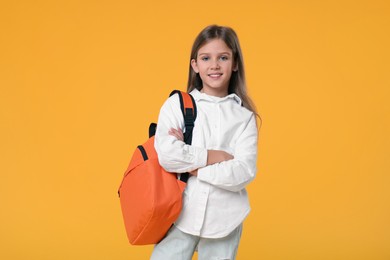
(204, 58)
(224, 58)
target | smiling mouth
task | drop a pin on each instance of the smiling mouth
(215, 75)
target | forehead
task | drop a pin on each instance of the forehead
(214, 46)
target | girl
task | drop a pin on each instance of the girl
(222, 157)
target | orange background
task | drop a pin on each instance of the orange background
(81, 80)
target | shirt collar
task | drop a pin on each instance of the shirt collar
(203, 96)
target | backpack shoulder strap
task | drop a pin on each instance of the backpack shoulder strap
(188, 109)
(187, 102)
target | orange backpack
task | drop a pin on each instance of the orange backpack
(150, 197)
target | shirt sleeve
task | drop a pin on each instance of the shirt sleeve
(174, 155)
(234, 175)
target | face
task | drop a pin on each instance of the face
(214, 63)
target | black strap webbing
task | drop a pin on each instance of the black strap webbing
(143, 152)
(189, 115)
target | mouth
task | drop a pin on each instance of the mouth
(215, 75)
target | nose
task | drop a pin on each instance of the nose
(215, 64)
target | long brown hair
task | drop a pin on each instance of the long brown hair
(237, 83)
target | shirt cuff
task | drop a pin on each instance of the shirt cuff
(201, 156)
(204, 174)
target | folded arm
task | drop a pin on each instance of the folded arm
(235, 174)
(174, 155)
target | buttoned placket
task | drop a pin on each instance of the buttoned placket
(215, 123)
(217, 131)
(203, 196)
(204, 188)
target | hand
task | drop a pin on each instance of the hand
(217, 156)
(176, 133)
(194, 172)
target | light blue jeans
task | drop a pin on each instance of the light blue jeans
(178, 245)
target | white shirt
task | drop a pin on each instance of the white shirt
(215, 202)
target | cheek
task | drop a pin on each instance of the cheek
(202, 71)
(202, 75)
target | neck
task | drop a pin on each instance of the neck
(214, 92)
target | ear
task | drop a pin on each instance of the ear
(194, 65)
(235, 68)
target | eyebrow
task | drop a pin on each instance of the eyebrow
(221, 53)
